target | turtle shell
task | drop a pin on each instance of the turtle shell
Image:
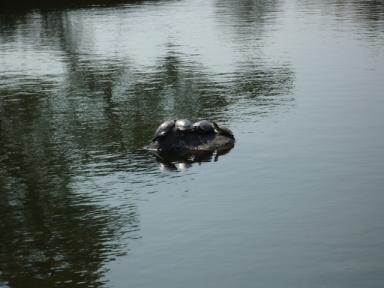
(204, 127)
(164, 129)
(183, 125)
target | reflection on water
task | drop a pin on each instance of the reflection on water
(81, 92)
(366, 14)
(73, 121)
(172, 162)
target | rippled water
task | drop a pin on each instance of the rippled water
(298, 201)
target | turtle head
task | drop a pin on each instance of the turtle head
(217, 128)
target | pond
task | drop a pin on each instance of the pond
(298, 202)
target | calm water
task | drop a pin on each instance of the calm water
(297, 203)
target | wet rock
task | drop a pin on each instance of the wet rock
(191, 143)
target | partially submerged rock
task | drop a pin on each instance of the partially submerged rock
(193, 142)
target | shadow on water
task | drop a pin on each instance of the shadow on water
(90, 120)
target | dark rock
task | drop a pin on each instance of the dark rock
(191, 143)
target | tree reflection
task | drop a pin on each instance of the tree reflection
(367, 14)
(52, 127)
(48, 233)
(48, 4)
(248, 17)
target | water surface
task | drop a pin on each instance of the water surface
(298, 201)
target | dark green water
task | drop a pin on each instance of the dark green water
(297, 203)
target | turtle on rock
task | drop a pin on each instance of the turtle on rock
(164, 129)
(223, 131)
(183, 126)
(181, 138)
(204, 127)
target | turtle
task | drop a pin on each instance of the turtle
(204, 127)
(164, 129)
(183, 125)
(223, 131)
